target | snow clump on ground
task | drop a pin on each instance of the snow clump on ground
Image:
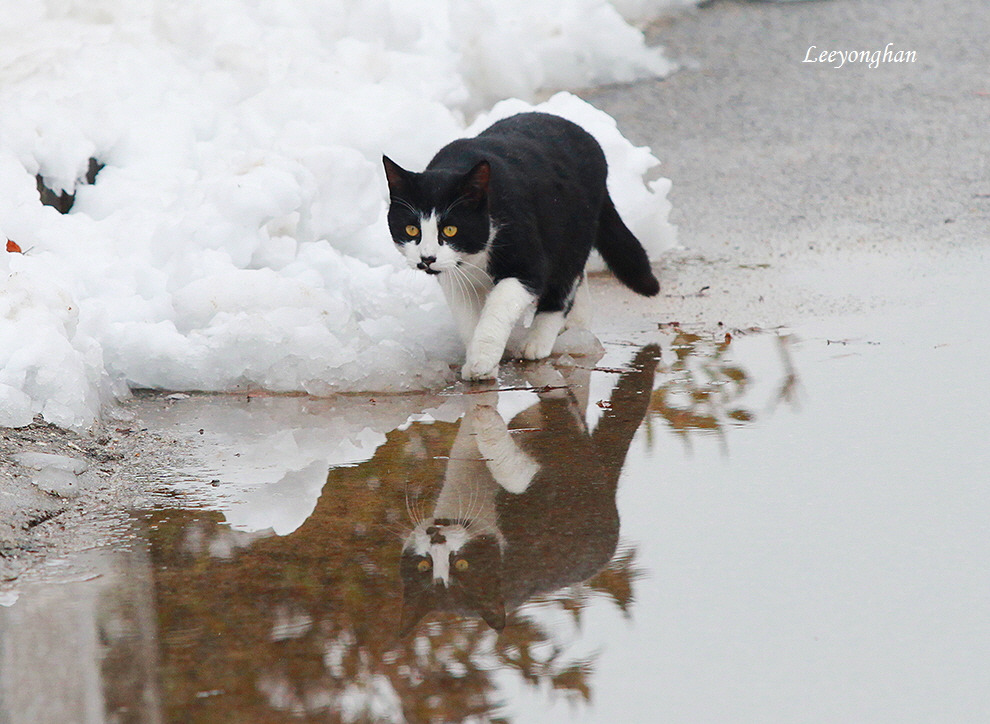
(235, 237)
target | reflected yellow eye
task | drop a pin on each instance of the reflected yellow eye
(423, 566)
(461, 564)
(449, 230)
(412, 230)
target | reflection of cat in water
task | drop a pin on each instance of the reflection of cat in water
(525, 508)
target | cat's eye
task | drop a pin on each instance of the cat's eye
(449, 231)
(412, 230)
(423, 566)
(461, 564)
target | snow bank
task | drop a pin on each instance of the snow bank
(235, 237)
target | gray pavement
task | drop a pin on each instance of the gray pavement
(769, 154)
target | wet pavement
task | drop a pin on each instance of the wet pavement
(731, 525)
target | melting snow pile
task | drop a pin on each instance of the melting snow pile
(235, 236)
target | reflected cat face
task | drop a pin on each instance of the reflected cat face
(447, 566)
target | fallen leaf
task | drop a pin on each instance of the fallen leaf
(13, 247)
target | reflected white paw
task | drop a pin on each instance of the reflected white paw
(487, 418)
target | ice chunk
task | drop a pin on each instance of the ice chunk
(55, 474)
(577, 342)
(63, 483)
(45, 461)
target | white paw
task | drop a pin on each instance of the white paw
(542, 335)
(483, 357)
(479, 369)
(537, 349)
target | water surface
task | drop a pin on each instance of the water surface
(736, 525)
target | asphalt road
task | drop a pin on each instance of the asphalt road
(769, 153)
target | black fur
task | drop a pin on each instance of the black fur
(539, 180)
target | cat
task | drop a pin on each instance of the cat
(505, 221)
(527, 507)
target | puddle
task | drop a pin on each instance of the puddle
(737, 526)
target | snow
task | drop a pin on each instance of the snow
(235, 237)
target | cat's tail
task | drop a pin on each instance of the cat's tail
(623, 253)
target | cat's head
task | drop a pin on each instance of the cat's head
(439, 219)
(446, 566)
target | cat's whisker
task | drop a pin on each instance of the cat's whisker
(480, 528)
(400, 533)
(477, 517)
(421, 514)
(413, 511)
(464, 287)
(476, 275)
(458, 288)
(484, 272)
(468, 286)
(403, 202)
(468, 513)
(455, 203)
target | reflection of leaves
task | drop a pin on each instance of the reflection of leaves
(735, 374)
(699, 385)
(700, 390)
(527, 648)
(788, 391)
(573, 679)
(616, 581)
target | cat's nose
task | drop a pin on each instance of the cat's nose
(425, 261)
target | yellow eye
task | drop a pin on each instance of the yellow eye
(423, 566)
(449, 230)
(461, 564)
(412, 230)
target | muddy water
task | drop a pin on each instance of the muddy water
(740, 525)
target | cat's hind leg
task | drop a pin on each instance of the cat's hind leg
(542, 335)
(553, 313)
(579, 315)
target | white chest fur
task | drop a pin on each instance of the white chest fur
(466, 287)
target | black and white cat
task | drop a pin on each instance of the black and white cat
(506, 221)
(527, 507)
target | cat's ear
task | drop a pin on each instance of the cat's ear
(495, 615)
(475, 183)
(397, 177)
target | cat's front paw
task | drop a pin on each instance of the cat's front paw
(479, 369)
(483, 356)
